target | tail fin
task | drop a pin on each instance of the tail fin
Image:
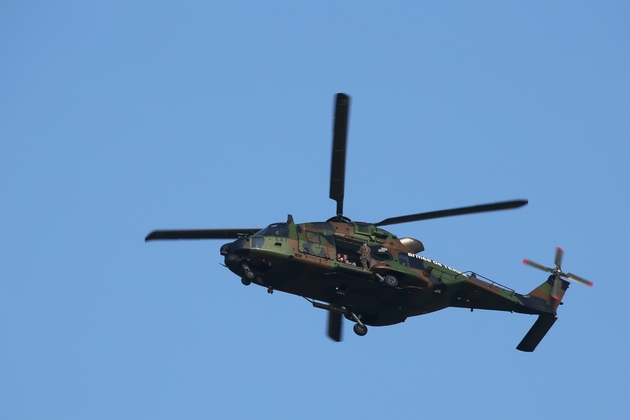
(552, 291)
(546, 299)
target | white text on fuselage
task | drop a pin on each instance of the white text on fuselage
(434, 262)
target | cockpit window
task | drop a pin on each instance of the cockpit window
(276, 229)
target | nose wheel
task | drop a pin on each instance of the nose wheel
(249, 274)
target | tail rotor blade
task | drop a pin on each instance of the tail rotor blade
(579, 280)
(559, 254)
(556, 289)
(558, 274)
(536, 265)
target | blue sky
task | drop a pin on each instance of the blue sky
(117, 119)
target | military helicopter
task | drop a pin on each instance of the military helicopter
(368, 275)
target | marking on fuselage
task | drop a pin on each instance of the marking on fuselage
(420, 257)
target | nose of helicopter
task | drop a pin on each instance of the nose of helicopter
(234, 252)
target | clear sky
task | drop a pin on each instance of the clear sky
(117, 118)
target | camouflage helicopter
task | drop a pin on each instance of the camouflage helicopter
(368, 275)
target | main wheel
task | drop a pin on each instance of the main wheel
(391, 280)
(360, 330)
(250, 274)
(246, 281)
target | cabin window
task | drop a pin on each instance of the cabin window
(379, 252)
(410, 261)
(362, 228)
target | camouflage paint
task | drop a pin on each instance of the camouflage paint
(304, 263)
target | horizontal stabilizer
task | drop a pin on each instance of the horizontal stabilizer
(537, 332)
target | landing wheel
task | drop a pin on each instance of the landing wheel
(249, 274)
(360, 330)
(246, 281)
(391, 280)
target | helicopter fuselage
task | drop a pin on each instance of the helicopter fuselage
(321, 261)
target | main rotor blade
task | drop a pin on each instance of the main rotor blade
(334, 325)
(579, 279)
(538, 266)
(338, 162)
(200, 234)
(503, 205)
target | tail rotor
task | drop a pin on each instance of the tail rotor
(558, 274)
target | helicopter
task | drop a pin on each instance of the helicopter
(368, 275)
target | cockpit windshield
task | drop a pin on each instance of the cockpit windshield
(275, 229)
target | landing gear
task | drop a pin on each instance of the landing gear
(334, 320)
(249, 275)
(248, 272)
(391, 280)
(360, 329)
(269, 290)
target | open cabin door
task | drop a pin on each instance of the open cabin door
(348, 249)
